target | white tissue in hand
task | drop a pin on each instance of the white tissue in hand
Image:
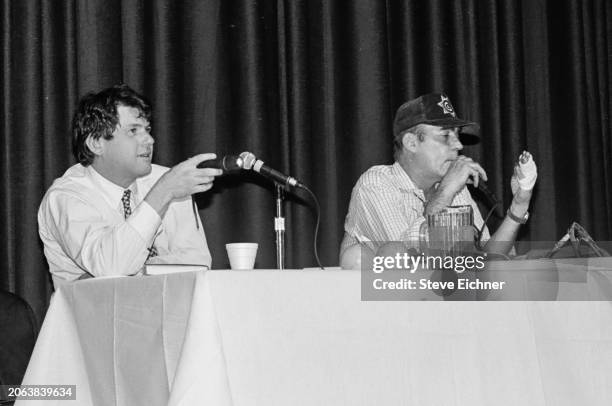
(530, 174)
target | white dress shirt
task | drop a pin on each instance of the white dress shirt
(83, 229)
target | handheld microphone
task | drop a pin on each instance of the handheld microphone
(482, 186)
(490, 196)
(226, 163)
(250, 161)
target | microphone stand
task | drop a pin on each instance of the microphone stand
(279, 226)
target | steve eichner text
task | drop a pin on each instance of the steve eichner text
(426, 284)
(411, 263)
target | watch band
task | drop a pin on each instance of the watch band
(520, 220)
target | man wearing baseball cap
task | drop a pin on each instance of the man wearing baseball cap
(389, 202)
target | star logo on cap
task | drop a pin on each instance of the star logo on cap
(446, 106)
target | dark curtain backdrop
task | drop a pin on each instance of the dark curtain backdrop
(310, 87)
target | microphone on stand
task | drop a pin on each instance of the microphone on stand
(251, 162)
(226, 163)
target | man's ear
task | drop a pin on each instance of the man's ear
(95, 145)
(410, 141)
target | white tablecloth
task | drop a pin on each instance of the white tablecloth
(305, 338)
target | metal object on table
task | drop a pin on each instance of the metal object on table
(279, 226)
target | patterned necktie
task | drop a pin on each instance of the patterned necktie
(125, 199)
(127, 210)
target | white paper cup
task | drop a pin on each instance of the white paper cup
(242, 254)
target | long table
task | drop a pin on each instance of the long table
(298, 337)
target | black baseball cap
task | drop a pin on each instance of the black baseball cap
(434, 109)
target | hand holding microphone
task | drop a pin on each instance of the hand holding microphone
(181, 181)
(226, 163)
(187, 178)
(462, 171)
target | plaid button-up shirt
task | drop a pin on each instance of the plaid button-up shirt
(387, 206)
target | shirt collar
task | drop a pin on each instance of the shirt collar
(405, 182)
(402, 177)
(111, 191)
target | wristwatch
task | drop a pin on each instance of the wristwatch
(520, 220)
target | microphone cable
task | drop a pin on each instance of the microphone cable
(484, 224)
(316, 232)
(479, 233)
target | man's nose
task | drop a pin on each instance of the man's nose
(454, 142)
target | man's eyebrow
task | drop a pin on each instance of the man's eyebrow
(138, 125)
(449, 129)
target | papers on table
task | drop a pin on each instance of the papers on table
(159, 269)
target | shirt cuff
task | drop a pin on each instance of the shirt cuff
(145, 221)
